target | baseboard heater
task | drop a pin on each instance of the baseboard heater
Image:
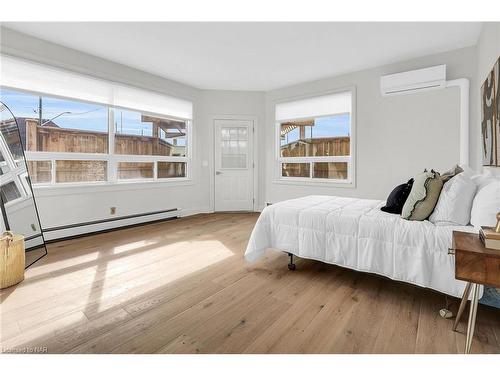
(65, 232)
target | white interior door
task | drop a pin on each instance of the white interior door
(234, 165)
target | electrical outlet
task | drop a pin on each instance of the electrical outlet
(112, 210)
(33, 226)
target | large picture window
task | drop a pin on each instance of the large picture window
(315, 139)
(70, 142)
(78, 129)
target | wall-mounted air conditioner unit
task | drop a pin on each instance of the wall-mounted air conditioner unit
(413, 81)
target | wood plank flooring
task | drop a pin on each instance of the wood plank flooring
(182, 286)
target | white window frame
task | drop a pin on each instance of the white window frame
(111, 158)
(351, 159)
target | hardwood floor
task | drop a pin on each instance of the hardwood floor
(182, 286)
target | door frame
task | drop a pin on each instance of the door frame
(255, 155)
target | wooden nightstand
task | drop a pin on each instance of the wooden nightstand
(477, 265)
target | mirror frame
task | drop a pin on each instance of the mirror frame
(4, 213)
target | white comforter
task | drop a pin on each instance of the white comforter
(355, 233)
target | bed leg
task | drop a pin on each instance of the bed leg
(291, 265)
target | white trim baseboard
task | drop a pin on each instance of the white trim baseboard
(183, 212)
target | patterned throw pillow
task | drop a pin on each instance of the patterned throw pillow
(423, 196)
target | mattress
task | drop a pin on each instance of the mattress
(356, 234)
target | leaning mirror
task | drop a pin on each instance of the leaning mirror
(19, 210)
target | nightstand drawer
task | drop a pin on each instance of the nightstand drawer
(477, 269)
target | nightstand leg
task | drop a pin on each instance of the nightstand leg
(472, 317)
(463, 303)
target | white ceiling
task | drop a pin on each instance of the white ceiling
(254, 56)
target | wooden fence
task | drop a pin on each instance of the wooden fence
(334, 146)
(55, 139)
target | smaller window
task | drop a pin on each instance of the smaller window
(315, 139)
(135, 171)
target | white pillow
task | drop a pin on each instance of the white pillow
(483, 179)
(486, 205)
(468, 171)
(455, 202)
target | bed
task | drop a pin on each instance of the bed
(356, 234)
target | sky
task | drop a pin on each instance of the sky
(332, 126)
(86, 116)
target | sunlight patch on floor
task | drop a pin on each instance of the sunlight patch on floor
(177, 260)
(189, 258)
(132, 246)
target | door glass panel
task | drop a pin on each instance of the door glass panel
(234, 147)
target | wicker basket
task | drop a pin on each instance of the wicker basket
(12, 259)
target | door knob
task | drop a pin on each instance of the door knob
(218, 173)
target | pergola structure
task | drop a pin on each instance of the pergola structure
(166, 125)
(287, 127)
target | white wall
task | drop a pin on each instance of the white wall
(488, 52)
(396, 138)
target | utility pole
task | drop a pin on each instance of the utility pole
(40, 110)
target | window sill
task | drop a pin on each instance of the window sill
(315, 182)
(89, 187)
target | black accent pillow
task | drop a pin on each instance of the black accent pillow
(397, 198)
